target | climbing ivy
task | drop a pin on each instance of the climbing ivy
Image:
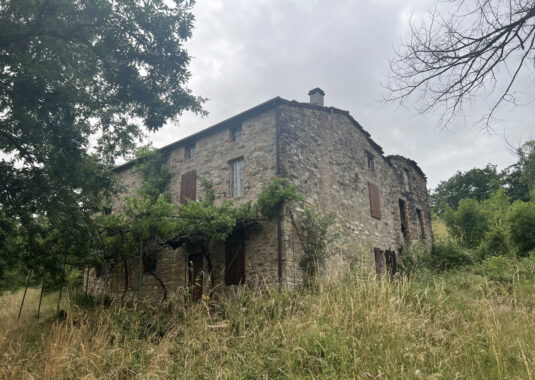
(274, 194)
(151, 215)
(316, 234)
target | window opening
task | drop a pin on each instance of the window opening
(236, 133)
(190, 151)
(236, 177)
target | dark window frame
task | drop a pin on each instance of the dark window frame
(101, 270)
(189, 151)
(404, 217)
(370, 161)
(150, 262)
(236, 133)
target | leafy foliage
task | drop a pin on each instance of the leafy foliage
(521, 219)
(152, 163)
(468, 223)
(274, 194)
(316, 236)
(73, 72)
(476, 183)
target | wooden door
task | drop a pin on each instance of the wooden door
(195, 278)
(391, 262)
(188, 187)
(235, 259)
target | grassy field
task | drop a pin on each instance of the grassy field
(452, 325)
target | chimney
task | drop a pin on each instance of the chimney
(316, 96)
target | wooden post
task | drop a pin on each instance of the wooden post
(40, 299)
(62, 281)
(140, 275)
(24, 296)
(87, 280)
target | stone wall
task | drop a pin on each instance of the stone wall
(212, 155)
(322, 150)
(325, 153)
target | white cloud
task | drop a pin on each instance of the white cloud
(246, 52)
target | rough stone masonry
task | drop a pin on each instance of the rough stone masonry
(380, 202)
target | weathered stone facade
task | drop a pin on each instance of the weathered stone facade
(330, 158)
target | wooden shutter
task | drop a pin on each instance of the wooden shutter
(375, 205)
(421, 222)
(391, 262)
(378, 261)
(235, 260)
(188, 187)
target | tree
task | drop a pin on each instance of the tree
(521, 220)
(458, 51)
(77, 75)
(476, 183)
(526, 161)
(469, 223)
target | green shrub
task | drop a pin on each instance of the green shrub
(468, 223)
(447, 254)
(497, 268)
(496, 243)
(521, 221)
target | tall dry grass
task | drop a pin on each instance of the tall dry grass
(454, 325)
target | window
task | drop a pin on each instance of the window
(106, 210)
(375, 203)
(406, 179)
(235, 259)
(100, 270)
(150, 260)
(188, 187)
(236, 178)
(403, 218)
(235, 133)
(371, 161)
(421, 223)
(189, 152)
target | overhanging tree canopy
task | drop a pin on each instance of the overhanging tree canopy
(79, 73)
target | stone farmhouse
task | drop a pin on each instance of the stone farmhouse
(380, 201)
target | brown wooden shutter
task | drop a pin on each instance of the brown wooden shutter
(235, 260)
(391, 262)
(188, 187)
(378, 261)
(375, 205)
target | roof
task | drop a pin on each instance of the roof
(270, 104)
(408, 161)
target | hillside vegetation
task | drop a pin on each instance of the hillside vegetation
(476, 322)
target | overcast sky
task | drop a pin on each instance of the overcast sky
(246, 52)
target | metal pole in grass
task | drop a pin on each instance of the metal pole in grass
(40, 298)
(140, 278)
(24, 296)
(62, 281)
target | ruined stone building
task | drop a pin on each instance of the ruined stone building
(380, 201)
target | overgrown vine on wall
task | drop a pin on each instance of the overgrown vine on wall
(315, 233)
(151, 215)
